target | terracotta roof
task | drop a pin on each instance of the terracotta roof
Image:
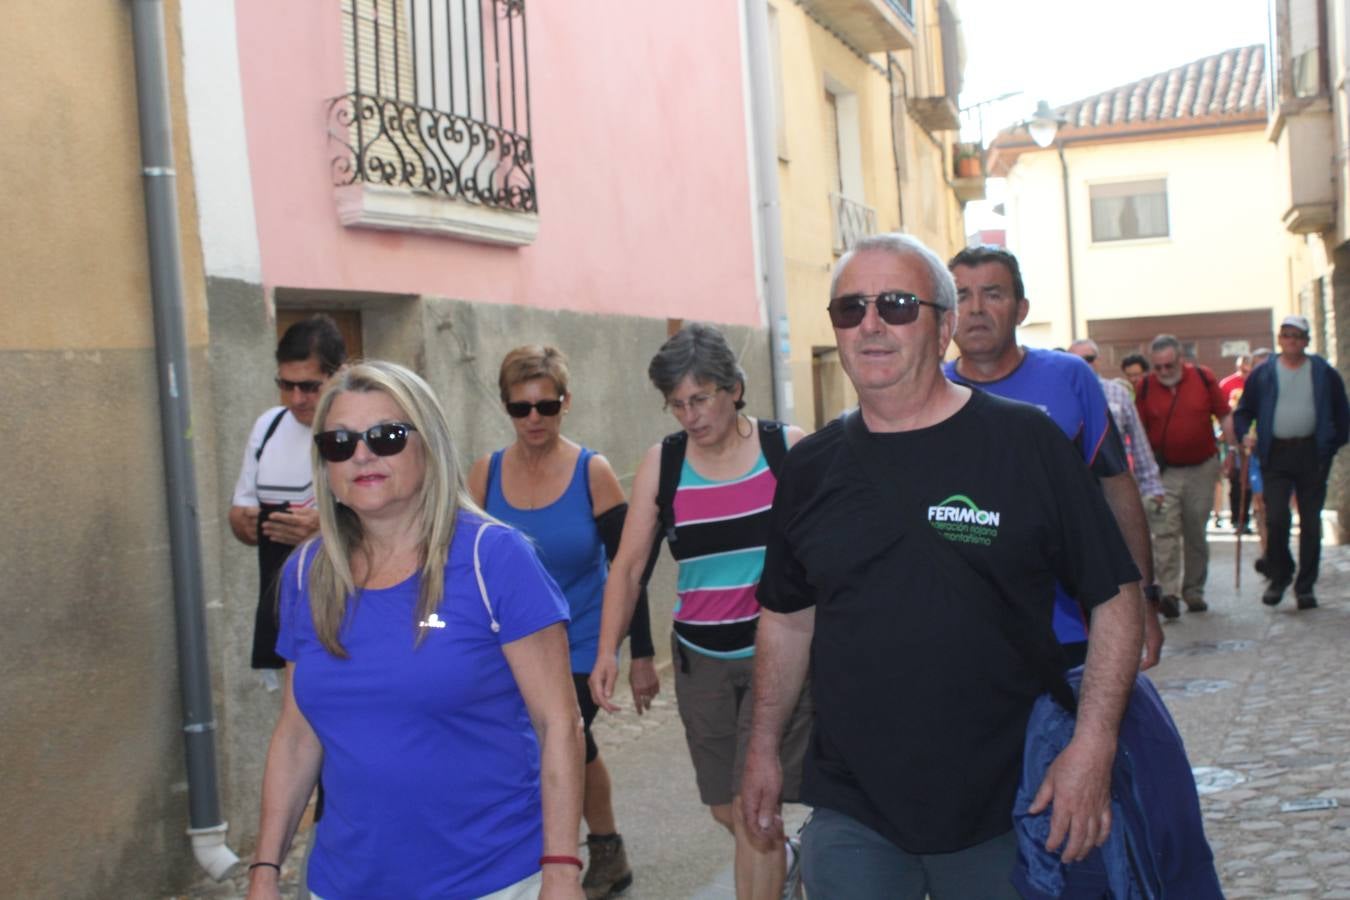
(1223, 90)
(1228, 84)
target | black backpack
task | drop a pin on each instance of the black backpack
(772, 443)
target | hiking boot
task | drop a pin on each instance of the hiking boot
(608, 874)
(1169, 606)
(1274, 594)
(1196, 605)
(1306, 600)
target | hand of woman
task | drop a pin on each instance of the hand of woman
(603, 675)
(264, 884)
(642, 679)
(561, 882)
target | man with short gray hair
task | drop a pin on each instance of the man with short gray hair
(1177, 402)
(913, 551)
(1297, 403)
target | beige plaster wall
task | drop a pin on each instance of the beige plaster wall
(810, 57)
(92, 780)
(1226, 249)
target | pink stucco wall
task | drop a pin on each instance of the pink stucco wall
(640, 162)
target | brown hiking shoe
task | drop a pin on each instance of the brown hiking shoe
(608, 874)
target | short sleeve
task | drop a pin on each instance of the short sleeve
(1218, 403)
(523, 596)
(1102, 448)
(293, 601)
(1089, 556)
(783, 587)
(246, 487)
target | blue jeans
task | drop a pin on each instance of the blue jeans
(842, 859)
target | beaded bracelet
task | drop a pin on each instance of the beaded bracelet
(561, 860)
(268, 864)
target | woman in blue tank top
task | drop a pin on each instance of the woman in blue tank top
(568, 500)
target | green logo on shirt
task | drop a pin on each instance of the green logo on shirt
(959, 519)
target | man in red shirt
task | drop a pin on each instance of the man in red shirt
(1239, 500)
(1176, 403)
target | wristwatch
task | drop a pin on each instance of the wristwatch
(1153, 594)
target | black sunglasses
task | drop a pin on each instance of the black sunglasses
(1090, 358)
(519, 409)
(308, 387)
(894, 307)
(383, 440)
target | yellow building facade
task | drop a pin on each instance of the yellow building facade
(867, 121)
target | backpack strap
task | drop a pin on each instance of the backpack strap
(478, 573)
(673, 447)
(773, 443)
(271, 430)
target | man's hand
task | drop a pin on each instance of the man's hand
(244, 524)
(1153, 637)
(603, 675)
(761, 790)
(1077, 788)
(1249, 441)
(292, 526)
(642, 679)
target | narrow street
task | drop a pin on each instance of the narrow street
(1260, 695)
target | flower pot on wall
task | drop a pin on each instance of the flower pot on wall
(968, 167)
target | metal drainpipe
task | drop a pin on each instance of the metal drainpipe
(207, 828)
(1068, 240)
(771, 226)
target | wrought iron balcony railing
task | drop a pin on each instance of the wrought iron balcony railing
(440, 101)
(852, 221)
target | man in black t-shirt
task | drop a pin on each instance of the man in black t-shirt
(912, 556)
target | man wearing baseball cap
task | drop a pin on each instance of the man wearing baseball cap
(1297, 403)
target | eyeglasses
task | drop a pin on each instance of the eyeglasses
(307, 387)
(1090, 358)
(339, 445)
(1294, 335)
(693, 404)
(519, 409)
(894, 307)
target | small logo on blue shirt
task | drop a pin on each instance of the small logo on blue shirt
(432, 621)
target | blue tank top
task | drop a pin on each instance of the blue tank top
(569, 546)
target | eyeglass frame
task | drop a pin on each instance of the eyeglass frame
(908, 301)
(366, 438)
(512, 407)
(308, 386)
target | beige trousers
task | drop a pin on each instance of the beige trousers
(1180, 549)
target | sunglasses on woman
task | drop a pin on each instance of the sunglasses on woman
(519, 409)
(894, 308)
(339, 445)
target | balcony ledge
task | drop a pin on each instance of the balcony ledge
(935, 113)
(399, 209)
(968, 189)
(871, 26)
(1309, 218)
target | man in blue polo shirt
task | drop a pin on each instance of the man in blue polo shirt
(991, 302)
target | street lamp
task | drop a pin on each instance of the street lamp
(1043, 126)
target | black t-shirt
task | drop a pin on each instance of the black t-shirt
(920, 667)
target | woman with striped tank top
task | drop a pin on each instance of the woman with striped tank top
(720, 514)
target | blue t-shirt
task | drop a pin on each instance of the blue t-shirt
(430, 764)
(569, 545)
(1066, 389)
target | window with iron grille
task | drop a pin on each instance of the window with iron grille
(1129, 210)
(439, 102)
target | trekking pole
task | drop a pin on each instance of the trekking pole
(1246, 515)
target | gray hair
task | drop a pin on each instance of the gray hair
(904, 246)
(1166, 342)
(441, 498)
(1086, 342)
(700, 352)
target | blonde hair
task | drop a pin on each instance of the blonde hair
(331, 584)
(530, 362)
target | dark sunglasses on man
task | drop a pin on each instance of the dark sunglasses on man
(387, 439)
(306, 387)
(894, 308)
(519, 409)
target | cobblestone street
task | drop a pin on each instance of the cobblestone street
(1261, 697)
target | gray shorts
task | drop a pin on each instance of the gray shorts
(716, 702)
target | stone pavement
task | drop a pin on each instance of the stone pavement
(1261, 696)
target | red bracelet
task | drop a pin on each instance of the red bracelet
(562, 860)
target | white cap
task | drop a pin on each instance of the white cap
(1299, 322)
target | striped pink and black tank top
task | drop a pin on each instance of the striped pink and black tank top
(720, 528)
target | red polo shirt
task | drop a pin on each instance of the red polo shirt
(1178, 419)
